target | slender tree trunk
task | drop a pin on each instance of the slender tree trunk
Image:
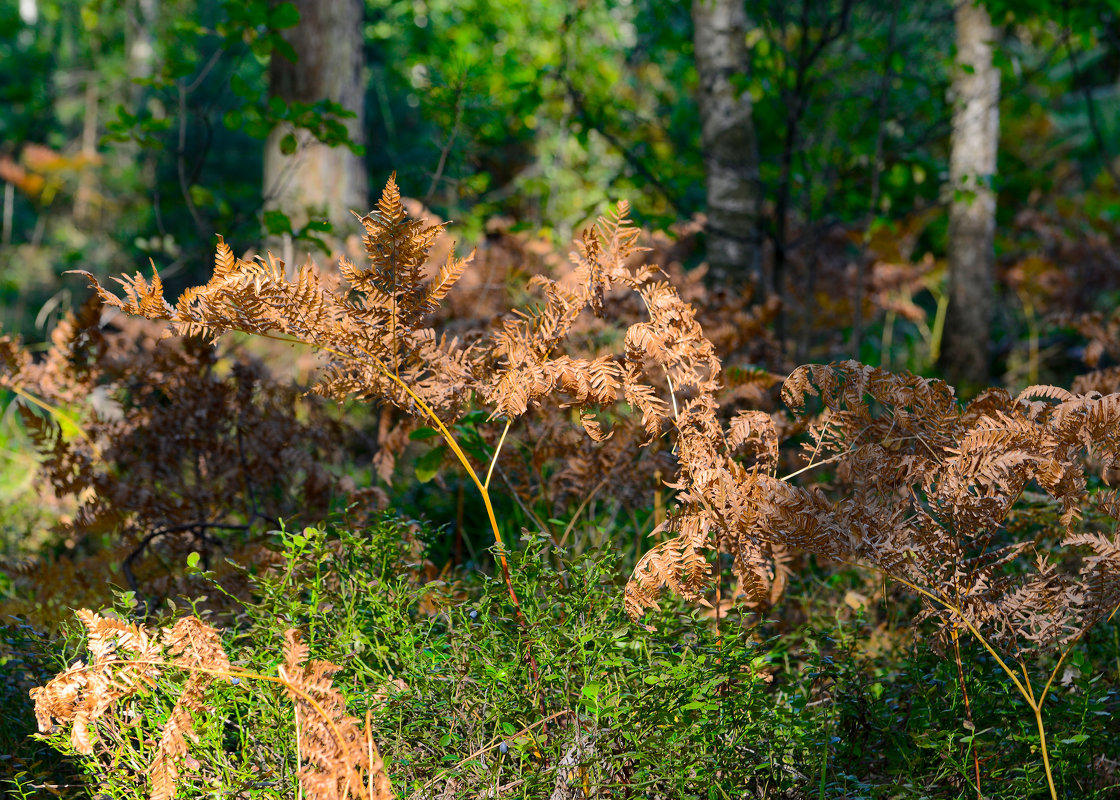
(972, 211)
(728, 138)
(84, 197)
(317, 181)
(142, 47)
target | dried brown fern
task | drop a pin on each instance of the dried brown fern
(372, 331)
(335, 749)
(372, 335)
(950, 475)
(928, 487)
(1101, 352)
(126, 659)
(165, 442)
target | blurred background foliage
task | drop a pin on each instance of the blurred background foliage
(136, 129)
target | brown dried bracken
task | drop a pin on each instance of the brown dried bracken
(126, 658)
(373, 338)
(335, 749)
(928, 487)
(930, 483)
(156, 436)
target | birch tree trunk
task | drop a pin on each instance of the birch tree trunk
(728, 139)
(317, 181)
(142, 47)
(972, 211)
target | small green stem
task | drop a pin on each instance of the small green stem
(1025, 689)
(938, 331)
(579, 510)
(887, 341)
(57, 413)
(497, 450)
(1045, 751)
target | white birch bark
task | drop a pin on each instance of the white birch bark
(317, 180)
(972, 209)
(728, 138)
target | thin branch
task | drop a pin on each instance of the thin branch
(636, 163)
(445, 151)
(1090, 106)
(194, 527)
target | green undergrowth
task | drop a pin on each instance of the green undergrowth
(849, 702)
(448, 670)
(457, 705)
(888, 699)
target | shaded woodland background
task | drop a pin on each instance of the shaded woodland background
(808, 149)
(925, 187)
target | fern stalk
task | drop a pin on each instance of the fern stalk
(1024, 687)
(483, 490)
(967, 707)
(449, 438)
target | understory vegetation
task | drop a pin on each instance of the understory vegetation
(721, 402)
(419, 563)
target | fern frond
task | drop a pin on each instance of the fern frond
(331, 742)
(448, 275)
(141, 298)
(677, 564)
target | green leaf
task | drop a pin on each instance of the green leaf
(474, 417)
(282, 48)
(285, 15)
(261, 47)
(252, 13)
(288, 144)
(88, 14)
(200, 195)
(420, 434)
(241, 87)
(277, 222)
(257, 127)
(428, 464)
(192, 560)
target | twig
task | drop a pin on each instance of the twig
(967, 708)
(253, 507)
(597, 125)
(579, 510)
(196, 527)
(1090, 106)
(445, 151)
(495, 746)
(181, 163)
